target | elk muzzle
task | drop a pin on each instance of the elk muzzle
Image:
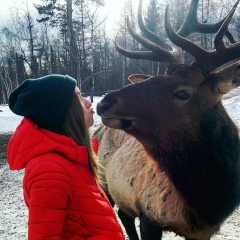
(106, 111)
(102, 107)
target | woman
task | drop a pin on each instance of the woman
(52, 143)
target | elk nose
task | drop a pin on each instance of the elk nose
(102, 107)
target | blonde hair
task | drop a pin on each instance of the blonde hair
(74, 127)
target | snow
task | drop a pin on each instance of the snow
(9, 121)
(13, 212)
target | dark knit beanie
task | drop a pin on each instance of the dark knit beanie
(44, 100)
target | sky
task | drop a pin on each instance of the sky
(112, 8)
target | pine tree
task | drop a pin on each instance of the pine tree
(152, 18)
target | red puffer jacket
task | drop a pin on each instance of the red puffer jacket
(63, 198)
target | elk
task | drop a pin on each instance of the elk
(170, 152)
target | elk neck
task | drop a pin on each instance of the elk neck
(201, 168)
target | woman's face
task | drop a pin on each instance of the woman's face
(87, 109)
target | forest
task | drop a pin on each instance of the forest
(70, 37)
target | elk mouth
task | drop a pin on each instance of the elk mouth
(118, 123)
(106, 111)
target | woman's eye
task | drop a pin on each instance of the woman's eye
(182, 95)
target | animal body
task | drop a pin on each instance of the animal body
(169, 151)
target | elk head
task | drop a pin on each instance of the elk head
(174, 105)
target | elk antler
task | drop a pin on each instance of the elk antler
(191, 24)
(157, 53)
(162, 50)
(208, 60)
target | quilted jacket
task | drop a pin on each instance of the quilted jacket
(64, 200)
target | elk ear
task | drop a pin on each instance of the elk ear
(227, 79)
(135, 78)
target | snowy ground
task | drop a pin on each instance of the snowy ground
(13, 213)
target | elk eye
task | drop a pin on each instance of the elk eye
(182, 95)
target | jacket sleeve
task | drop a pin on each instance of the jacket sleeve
(48, 189)
(98, 238)
(95, 145)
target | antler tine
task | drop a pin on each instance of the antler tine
(218, 41)
(191, 24)
(160, 49)
(156, 54)
(227, 33)
(208, 60)
(149, 34)
(182, 42)
(156, 49)
(148, 55)
(233, 51)
(223, 30)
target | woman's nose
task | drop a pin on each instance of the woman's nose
(88, 104)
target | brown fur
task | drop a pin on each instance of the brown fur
(133, 179)
(186, 179)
